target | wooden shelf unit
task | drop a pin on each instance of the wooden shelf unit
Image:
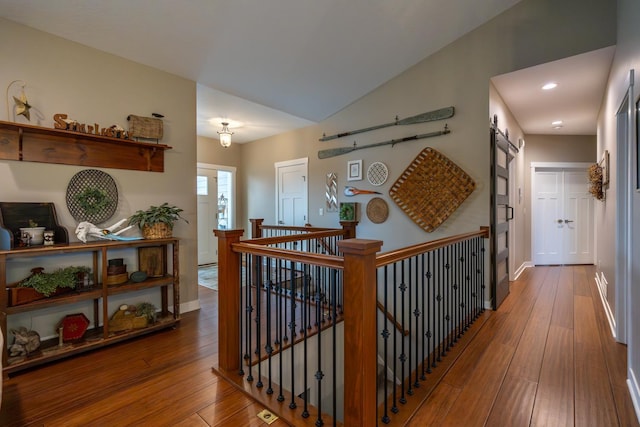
(30, 143)
(99, 336)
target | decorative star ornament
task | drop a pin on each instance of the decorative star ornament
(22, 106)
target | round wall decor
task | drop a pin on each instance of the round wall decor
(92, 195)
(377, 173)
(377, 210)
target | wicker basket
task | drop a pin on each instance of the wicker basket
(145, 127)
(159, 230)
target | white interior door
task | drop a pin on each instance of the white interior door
(562, 221)
(292, 203)
(547, 215)
(207, 216)
(578, 219)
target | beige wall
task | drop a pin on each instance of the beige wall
(95, 87)
(624, 303)
(458, 75)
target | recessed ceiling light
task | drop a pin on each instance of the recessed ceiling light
(549, 86)
(557, 123)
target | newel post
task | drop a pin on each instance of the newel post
(228, 299)
(360, 334)
(256, 227)
(349, 229)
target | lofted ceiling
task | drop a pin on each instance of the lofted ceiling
(268, 66)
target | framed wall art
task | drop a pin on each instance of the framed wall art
(604, 164)
(354, 170)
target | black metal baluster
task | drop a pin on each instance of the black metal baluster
(394, 407)
(248, 354)
(292, 329)
(425, 318)
(482, 274)
(385, 347)
(430, 324)
(440, 314)
(417, 313)
(258, 317)
(268, 347)
(305, 323)
(334, 309)
(458, 290)
(403, 355)
(319, 374)
(241, 316)
(447, 294)
(408, 338)
(282, 309)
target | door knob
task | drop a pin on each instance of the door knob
(567, 221)
(559, 221)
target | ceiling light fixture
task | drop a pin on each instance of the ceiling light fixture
(557, 123)
(549, 86)
(225, 135)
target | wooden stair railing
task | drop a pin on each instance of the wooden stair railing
(359, 265)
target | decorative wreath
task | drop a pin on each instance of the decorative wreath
(92, 195)
(595, 179)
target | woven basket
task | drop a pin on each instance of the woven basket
(159, 230)
(145, 127)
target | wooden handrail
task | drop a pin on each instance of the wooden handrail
(325, 232)
(392, 319)
(390, 257)
(322, 260)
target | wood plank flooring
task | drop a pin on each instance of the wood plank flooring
(545, 358)
(550, 360)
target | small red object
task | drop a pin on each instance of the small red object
(73, 327)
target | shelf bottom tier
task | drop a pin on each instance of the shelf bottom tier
(50, 351)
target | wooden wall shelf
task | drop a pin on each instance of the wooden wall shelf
(30, 143)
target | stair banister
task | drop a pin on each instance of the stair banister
(360, 336)
(229, 296)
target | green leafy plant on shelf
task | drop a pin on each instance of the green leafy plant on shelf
(48, 283)
(148, 310)
(164, 213)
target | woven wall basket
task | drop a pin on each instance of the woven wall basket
(431, 189)
(158, 230)
(145, 127)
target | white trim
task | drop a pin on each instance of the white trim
(602, 286)
(553, 165)
(625, 185)
(520, 270)
(634, 391)
(232, 170)
(277, 165)
(186, 307)
(560, 165)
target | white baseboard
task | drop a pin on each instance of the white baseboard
(601, 283)
(634, 391)
(521, 269)
(186, 307)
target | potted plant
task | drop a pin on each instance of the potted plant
(42, 285)
(157, 222)
(32, 235)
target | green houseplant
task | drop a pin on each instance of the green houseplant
(157, 221)
(48, 284)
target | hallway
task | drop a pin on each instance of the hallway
(545, 358)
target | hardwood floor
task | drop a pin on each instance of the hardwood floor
(550, 361)
(545, 358)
